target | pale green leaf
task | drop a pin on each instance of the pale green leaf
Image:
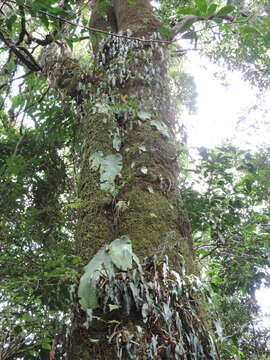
(87, 286)
(120, 251)
(162, 128)
(143, 115)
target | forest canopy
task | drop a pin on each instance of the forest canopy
(93, 153)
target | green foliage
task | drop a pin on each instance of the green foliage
(109, 167)
(233, 35)
(227, 199)
(119, 254)
(163, 306)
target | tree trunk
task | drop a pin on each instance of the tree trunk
(126, 115)
(131, 103)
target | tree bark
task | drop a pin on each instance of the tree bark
(132, 84)
(125, 110)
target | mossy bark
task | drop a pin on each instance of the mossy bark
(128, 96)
(151, 212)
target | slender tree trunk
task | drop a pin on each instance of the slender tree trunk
(126, 112)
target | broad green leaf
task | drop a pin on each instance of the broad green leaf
(211, 9)
(120, 251)
(46, 346)
(117, 143)
(226, 10)
(164, 30)
(187, 25)
(202, 5)
(114, 307)
(190, 35)
(70, 43)
(142, 148)
(27, 317)
(218, 20)
(94, 341)
(103, 4)
(93, 39)
(248, 30)
(87, 286)
(144, 170)
(96, 160)
(188, 11)
(10, 21)
(44, 20)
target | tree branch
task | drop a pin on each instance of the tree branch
(23, 26)
(17, 78)
(179, 27)
(27, 60)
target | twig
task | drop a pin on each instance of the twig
(17, 78)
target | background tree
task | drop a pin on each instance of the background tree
(89, 154)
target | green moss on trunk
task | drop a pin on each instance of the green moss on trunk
(147, 207)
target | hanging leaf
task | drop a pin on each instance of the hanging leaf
(87, 286)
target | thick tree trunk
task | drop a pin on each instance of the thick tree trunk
(126, 112)
(133, 93)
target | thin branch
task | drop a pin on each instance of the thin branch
(178, 27)
(29, 61)
(17, 78)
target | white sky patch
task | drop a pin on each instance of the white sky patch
(263, 298)
(220, 107)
